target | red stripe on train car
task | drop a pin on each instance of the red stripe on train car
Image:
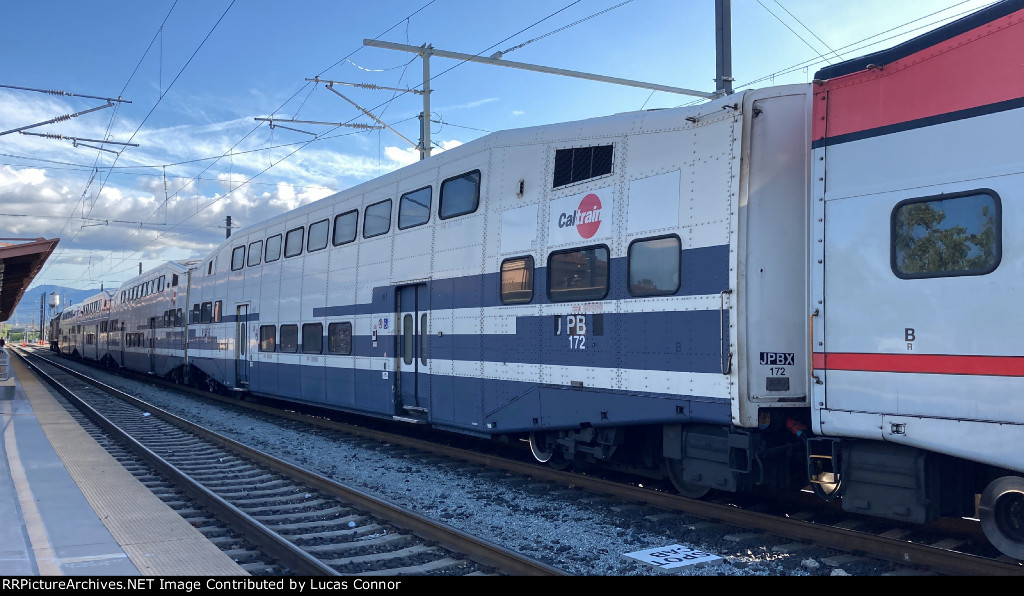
(944, 364)
(977, 68)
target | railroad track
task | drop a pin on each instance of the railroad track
(785, 522)
(304, 523)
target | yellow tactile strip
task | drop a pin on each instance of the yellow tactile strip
(157, 540)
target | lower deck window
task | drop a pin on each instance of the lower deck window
(312, 338)
(654, 266)
(517, 280)
(289, 338)
(339, 338)
(268, 333)
(578, 275)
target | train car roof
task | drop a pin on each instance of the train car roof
(172, 266)
(552, 132)
(922, 42)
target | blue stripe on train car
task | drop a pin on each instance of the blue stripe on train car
(704, 271)
(488, 406)
(674, 341)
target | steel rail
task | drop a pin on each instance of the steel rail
(275, 545)
(479, 550)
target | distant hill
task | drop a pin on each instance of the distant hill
(27, 311)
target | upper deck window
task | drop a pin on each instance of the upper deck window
(345, 227)
(947, 235)
(377, 220)
(273, 249)
(293, 242)
(582, 163)
(318, 234)
(414, 208)
(238, 258)
(255, 252)
(460, 195)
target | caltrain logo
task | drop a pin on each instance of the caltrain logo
(586, 218)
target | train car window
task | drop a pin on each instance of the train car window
(377, 219)
(206, 313)
(293, 242)
(174, 280)
(160, 284)
(517, 280)
(414, 208)
(581, 163)
(255, 252)
(318, 234)
(339, 338)
(267, 335)
(238, 258)
(578, 274)
(653, 266)
(273, 249)
(407, 329)
(947, 235)
(289, 338)
(209, 268)
(459, 195)
(218, 309)
(312, 338)
(177, 318)
(423, 339)
(345, 227)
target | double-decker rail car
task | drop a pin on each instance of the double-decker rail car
(147, 322)
(585, 285)
(803, 283)
(83, 333)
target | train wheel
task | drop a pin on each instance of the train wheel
(827, 487)
(674, 467)
(1002, 515)
(542, 446)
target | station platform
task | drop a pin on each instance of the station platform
(68, 508)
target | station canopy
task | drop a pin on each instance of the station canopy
(20, 260)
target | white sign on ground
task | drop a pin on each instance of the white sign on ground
(675, 556)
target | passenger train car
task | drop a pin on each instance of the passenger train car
(804, 283)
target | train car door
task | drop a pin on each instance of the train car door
(241, 346)
(152, 344)
(412, 378)
(95, 347)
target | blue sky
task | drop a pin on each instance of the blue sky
(199, 73)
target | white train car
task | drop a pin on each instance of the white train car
(85, 329)
(147, 324)
(918, 393)
(635, 274)
(67, 330)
